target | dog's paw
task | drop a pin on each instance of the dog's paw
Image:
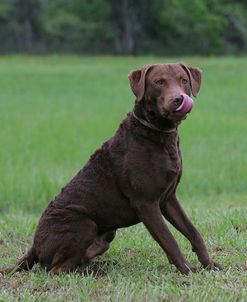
(187, 269)
(212, 265)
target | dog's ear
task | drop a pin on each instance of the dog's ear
(137, 80)
(195, 76)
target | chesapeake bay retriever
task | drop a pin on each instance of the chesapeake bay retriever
(132, 178)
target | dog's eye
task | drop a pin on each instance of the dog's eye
(160, 82)
(184, 81)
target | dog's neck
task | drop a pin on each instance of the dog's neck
(156, 124)
(148, 124)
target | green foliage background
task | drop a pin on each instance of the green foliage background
(163, 27)
(55, 111)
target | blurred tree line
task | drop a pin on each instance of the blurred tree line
(162, 27)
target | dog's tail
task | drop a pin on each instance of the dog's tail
(25, 263)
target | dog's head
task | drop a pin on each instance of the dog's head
(164, 89)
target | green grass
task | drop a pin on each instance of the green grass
(55, 111)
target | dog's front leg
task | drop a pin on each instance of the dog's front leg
(173, 212)
(151, 216)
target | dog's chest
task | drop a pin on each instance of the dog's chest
(172, 156)
(170, 165)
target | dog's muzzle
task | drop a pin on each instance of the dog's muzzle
(185, 105)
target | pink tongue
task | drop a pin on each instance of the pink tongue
(186, 105)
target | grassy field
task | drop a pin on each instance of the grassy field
(55, 111)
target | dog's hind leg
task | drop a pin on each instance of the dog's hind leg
(64, 263)
(73, 245)
(66, 266)
(99, 246)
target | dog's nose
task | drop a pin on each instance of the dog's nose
(178, 100)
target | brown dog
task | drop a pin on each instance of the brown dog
(132, 178)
